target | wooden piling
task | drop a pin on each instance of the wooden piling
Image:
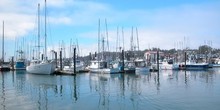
(42, 57)
(74, 59)
(55, 53)
(90, 56)
(185, 61)
(61, 68)
(158, 61)
(12, 63)
(123, 63)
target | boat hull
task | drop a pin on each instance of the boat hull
(42, 68)
(19, 66)
(169, 66)
(105, 70)
(141, 69)
(197, 67)
(4, 68)
(71, 68)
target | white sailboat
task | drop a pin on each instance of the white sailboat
(79, 66)
(37, 66)
(101, 65)
(4, 66)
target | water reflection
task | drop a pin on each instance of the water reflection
(3, 91)
(20, 90)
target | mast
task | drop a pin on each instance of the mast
(77, 46)
(123, 38)
(3, 42)
(107, 33)
(38, 54)
(132, 45)
(103, 47)
(117, 43)
(137, 39)
(70, 53)
(45, 31)
(98, 40)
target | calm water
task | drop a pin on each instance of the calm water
(172, 90)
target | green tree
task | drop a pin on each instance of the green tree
(204, 49)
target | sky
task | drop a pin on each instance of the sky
(164, 24)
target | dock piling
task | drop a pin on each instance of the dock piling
(123, 63)
(55, 53)
(61, 68)
(12, 63)
(74, 59)
(185, 61)
(158, 61)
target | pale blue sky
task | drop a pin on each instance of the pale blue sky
(161, 23)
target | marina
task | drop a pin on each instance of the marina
(109, 55)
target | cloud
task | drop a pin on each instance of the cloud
(160, 27)
(21, 16)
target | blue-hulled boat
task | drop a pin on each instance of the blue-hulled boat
(20, 61)
(20, 65)
(194, 66)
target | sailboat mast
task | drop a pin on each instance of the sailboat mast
(3, 42)
(45, 31)
(98, 40)
(77, 45)
(117, 46)
(123, 38)
(106, 26)
(137, 39)
(103, 47)
(132, 45)
(38, 45)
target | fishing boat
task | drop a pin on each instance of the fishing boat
(20, 65)
(168, 65)
(4, 66)
(140, 66)
(45, 66)
(102, 67)
(215, 63)
(129, 67)
(194, 66)
(20, 62)
(79, 66)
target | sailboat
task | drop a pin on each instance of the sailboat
(80, 66)
(4, 66)
(37, 66)
(101, 65)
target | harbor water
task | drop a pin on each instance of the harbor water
(168, 90)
